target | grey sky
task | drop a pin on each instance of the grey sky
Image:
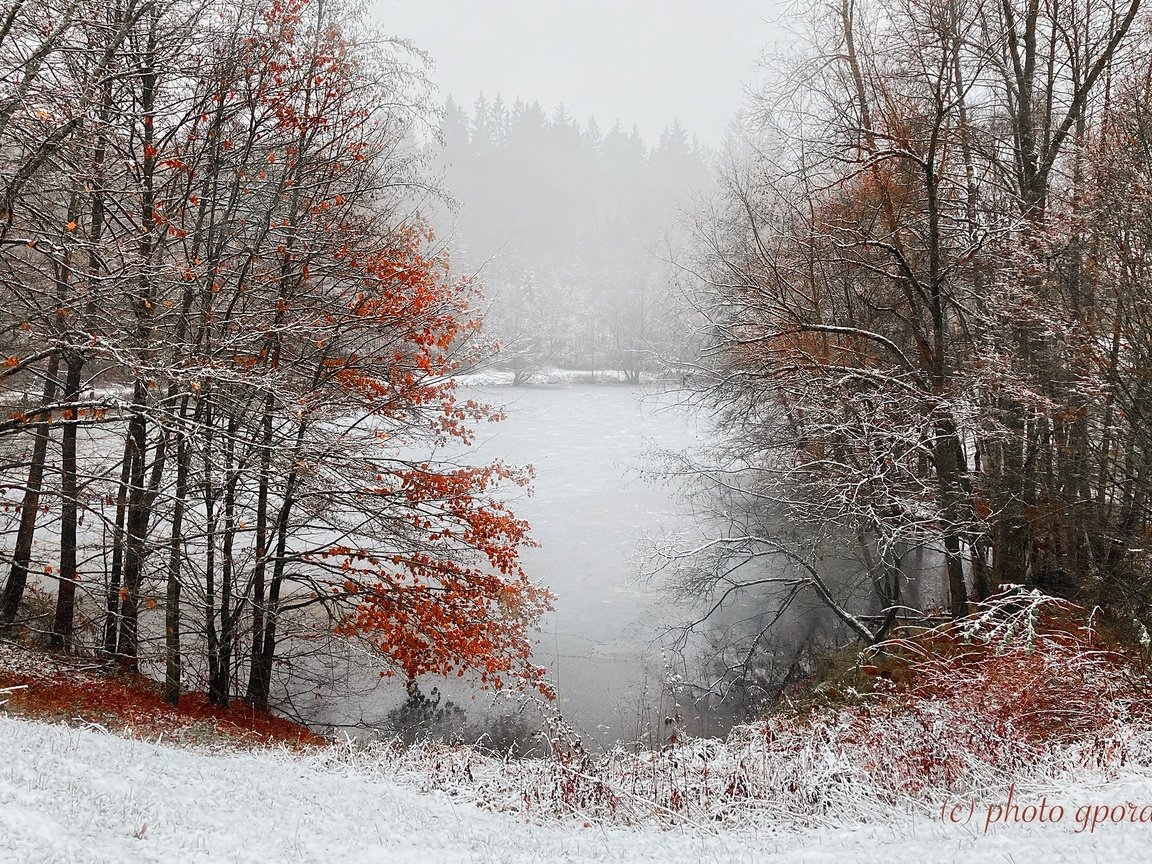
(646, 62)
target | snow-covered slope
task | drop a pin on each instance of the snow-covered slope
(80, 796)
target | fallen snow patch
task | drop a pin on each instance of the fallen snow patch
(76, 796)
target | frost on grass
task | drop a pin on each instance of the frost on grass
(77, 796)
(1026, 691)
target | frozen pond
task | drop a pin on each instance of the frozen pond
(589, 510)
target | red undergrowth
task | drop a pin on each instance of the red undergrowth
(1022, 678)
(134, 704)
(1041, 666)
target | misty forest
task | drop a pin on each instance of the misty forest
(800, 475)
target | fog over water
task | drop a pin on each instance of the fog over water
(816, 341)
(589, 511)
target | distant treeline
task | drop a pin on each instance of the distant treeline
(569, 227)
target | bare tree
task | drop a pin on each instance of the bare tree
(905, 336)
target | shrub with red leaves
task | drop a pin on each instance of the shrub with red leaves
(1024, 675)
(1028, 662)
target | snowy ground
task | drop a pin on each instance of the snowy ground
(76, 796)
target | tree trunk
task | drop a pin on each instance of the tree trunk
(257, 695)
(62, 624)
(112, 611)
(22, 554)
(172, 656)
(219, 689)
(140, 499)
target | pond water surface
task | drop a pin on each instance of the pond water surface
(590, 510)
